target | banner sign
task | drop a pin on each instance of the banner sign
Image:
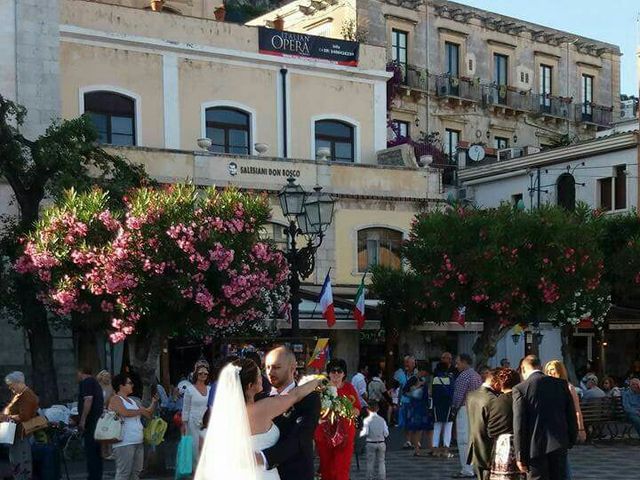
(290, 44)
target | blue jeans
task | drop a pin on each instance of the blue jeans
(634, 418)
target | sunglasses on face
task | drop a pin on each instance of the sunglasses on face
(203, 373)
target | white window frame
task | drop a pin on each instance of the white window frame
(137, 105)
(340, 118)
(253, 122)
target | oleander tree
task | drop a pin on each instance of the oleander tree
(38, 169)
(501, 267)
(173, 261)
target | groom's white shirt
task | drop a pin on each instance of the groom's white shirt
(285, 391)
(273, 393)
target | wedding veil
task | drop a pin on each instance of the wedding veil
(227, 451)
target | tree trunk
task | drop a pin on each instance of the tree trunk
(144, 353)
(485, 345)
(391, 338)
(566, 335)
(45, 380)
(87, 348)
(34, 315)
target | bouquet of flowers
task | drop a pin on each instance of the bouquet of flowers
(334, 407)
(336, 412)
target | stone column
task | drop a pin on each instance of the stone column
(37, 68)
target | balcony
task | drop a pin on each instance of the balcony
(506, 98)
(550, 106)
(593, 114)
(457, 88)
(269, 174)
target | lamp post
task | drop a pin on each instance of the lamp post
(309, 215)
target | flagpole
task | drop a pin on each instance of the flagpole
(318, 301)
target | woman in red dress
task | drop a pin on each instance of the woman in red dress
(335, 441)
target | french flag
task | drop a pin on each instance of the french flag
(326, 302)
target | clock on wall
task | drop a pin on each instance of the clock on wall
(476, 153)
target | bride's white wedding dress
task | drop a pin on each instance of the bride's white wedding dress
(229, 450)
(262, 441)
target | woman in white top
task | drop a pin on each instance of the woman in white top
(129, 453)
(194, 406)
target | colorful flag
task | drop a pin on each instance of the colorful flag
(359, 309)
(326, 302)
(459, 315)
(320, 354)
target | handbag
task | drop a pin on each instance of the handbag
(184, 457)
(35, 424)
(7, 432)
(109, 428)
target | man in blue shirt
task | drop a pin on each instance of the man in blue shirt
(631, 403)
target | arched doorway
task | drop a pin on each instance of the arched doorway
(566, 191)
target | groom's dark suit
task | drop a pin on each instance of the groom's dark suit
(293, 454)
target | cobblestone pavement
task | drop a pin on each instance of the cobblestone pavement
(604, 461)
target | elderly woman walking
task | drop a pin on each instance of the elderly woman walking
(22, 408)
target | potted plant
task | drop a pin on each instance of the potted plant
(278, 23)
(157, 5)
(219, 13)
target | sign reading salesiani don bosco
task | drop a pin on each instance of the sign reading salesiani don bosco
(276, 42)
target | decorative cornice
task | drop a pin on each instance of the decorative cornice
(540, 53)
(402, 19)
(498, 43)
(452, 32)
(589, 65)
(513, 26)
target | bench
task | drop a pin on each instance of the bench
(605, 419)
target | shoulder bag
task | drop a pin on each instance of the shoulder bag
(109, 428)
(36, 423)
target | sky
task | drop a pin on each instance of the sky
(615, 21)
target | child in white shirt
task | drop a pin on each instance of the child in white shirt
(375, 430)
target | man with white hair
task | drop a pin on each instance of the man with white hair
(402, 376)
(631, 403)
(22, 408)
(592, 391)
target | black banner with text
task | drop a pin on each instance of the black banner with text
(276, 42)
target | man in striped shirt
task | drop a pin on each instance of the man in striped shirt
(468, 380)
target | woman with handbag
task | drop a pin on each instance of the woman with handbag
(22, 408)
(129, 452)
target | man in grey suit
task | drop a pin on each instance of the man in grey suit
(544, 423)
(480, 445)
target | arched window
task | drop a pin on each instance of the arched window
(379, 246)
(113, 115)
(338, 137)
(566, 191)
(229, 130)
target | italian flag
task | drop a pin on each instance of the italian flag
(359, 309)
(326, 302)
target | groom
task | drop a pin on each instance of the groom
(293, 454)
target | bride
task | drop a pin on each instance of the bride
(239, 426)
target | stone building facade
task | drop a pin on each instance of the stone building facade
(156, 82)
(476, 77)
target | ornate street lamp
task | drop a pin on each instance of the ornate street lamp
(309, 215)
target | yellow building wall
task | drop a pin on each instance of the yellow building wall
(255, 88)
(347, 222)
(84, 66)
(316, 96)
